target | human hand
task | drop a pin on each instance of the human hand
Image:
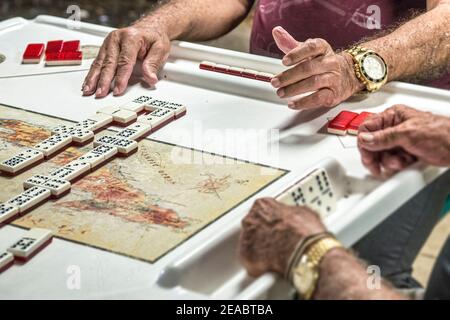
(270, 233)
(315, 67)
(399, 136)
(120, 51)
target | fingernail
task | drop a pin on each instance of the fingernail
(367, 137)
(281, 93)
(287, 61)
(86, 88)
(275, 82)
(98, 92)
(291, 105)
(116, 91)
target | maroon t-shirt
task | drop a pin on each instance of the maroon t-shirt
(341, 23)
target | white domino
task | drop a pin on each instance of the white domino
(29, 198)
(95, 122)
(21, 160)
(79, 168)
(81, 135)
(106, 151)
(124, 116)
(61, 129)
(137, 105)
(8, 211)
(314, 191)
(108, 110)
(6, 260)
(30, 243)
(135, 131)
(36, 180)
(64, 174)
(94, 159)
(53, 144)
(124, 146)
(177, 108)
(157, 118)
(57, 187)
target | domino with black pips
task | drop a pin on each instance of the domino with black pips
(158, 118)
(61, 129)
(124, 146)
(107, 151)
(53, 144)
(36, 180)
(32, 242)
(57, 187)
(135, 131)
(77, 169)
(110, 110)
(137, 105)
(21, 161)
(314, 191)
(6, 260)
(178, 109)
(30, 198)
(95, 122)
(81, 136)
(8, 212)
(94, 159)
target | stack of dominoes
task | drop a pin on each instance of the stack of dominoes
(33, 241)
(57, 53)
(236, 71)
(347, 122)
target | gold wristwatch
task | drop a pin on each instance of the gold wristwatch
(370, 68)
(306, 272)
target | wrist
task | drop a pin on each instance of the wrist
(355, 84)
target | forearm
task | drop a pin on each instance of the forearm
(342, 277)
(196, 20)
(419, 47)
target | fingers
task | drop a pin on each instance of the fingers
(154, 61)
(310, 84)
(91, 80)
(322, 98)
(385, 139)
(309, 49)
(284, 40)
(109, 66)
(304, 70)
(125, 65)
(371, 160)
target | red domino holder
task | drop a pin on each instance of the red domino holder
(354, 125)
(339, 124)
(33, 53)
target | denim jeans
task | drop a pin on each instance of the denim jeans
(439, 283)
(394, 244)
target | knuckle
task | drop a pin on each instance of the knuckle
(97, 64)
(327, 100)
(307, 66)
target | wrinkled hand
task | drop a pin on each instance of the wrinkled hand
(120, 51)
(315, 67)
(399, 136)
(270, 233)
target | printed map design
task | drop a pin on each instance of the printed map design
(142, 206)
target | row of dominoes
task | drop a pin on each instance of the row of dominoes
(160, 113)
(347, 122)
(314, 191)
(33, 241)
(236, 71)
(39, 188)
(57, 53)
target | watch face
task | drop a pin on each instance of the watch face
(305, 276)
(374, 67)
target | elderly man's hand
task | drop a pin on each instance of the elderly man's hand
(120, 51)
(315, 67)
(397, 137)
(271, 232)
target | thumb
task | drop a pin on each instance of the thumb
(283, 39)
(153, 62)
(383, 139)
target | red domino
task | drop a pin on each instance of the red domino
(357, 122)
(64, 58)
(339, 124)
(206, 65)
(54, 46)
(33, 53)
(71, 46)
(221, 68)
(247, 73)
